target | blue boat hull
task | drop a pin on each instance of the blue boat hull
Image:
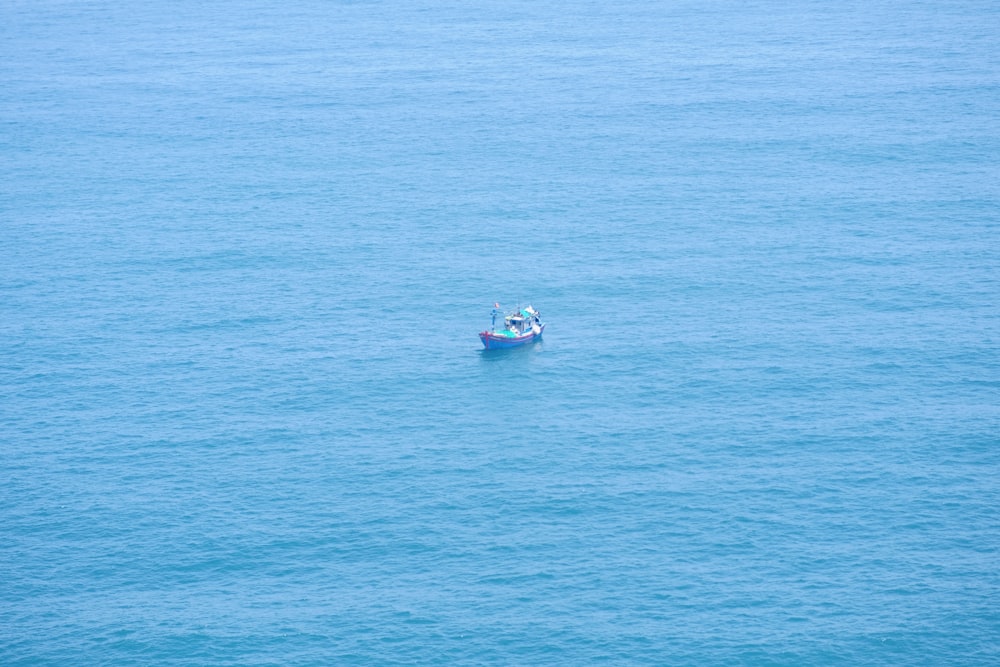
(493, 341)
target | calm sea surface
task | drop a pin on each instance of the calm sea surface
(246, 247)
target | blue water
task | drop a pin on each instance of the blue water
(246, 248)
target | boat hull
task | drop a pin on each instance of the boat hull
(494, 341)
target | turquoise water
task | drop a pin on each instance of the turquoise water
(246, 248)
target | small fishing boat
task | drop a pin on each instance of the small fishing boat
(520, 326)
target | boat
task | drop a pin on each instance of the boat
(520, 326)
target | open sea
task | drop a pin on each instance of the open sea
(246, 249)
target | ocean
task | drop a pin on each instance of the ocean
(246, 249)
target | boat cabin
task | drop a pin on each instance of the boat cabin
(522, 321)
